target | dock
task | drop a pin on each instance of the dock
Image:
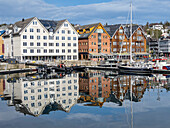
(3, 72)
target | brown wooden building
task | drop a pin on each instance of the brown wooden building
(94, 41)
(120, 40)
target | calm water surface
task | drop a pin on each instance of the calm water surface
(84, 100)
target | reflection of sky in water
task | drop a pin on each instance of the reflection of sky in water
(148, 113)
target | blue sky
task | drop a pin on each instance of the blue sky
(86, 11)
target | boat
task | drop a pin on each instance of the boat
(134, 67)
(161, 63)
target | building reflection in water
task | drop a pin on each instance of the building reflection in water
(40, 96)
(97, 89)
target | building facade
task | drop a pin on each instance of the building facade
(94, 41)
(2, 43)
(120, 40)
(164, 47)
(35, 39)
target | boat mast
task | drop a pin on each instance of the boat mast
(131, 33)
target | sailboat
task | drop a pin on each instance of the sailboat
(134, 68)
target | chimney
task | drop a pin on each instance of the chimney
(23, 20)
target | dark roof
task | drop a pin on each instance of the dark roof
(111, 29)
(22, 24)
(52, 24)
(86, 35)
(127, 29)
(2, 32)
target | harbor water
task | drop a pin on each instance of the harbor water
(84, 100)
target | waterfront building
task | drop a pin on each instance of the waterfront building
(120, 40)
(35, 95)
(94, 41)
(36, 39)
(2, 43)
(154, 48)
(164, 47)
(2, 87)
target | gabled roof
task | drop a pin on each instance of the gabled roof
(52, 24)
(86, 35)
(111, 29)
(127, 29)
(22, 24)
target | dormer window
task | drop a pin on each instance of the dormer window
(16, 29)
(51, 30)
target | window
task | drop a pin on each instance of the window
(69, 32)
(45, 44)
(74, 51)
(38, 30)
(57, 44)
(63, 44)
(51, 37)
(63, 50)
(63, 38)
(74, 38)
(114, 49)
(69, 38)
(73, 32)
(69, 50)
(63, 31)
(64, 88)
(69, 87)
(65, 25)
(24, 43)
(139, 32)
(45, 50)
(38, 44)
(142, 43)
(115, 37)
(139, 38)
(31, 37)
(57, 37)
(120, 30)
(25, 97)
(74, 44)
(57, 50)
(75, 57)
(114, 43)
(25, 30)
(31, 44)
(38, 51)
(69, 44)
(68, 57)
(45, 37)
(24, 37)
(31, 50)
(142, 49)
(38, 37)
(31, 30)
(51, 44)
(24, 50)
(51, 50)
